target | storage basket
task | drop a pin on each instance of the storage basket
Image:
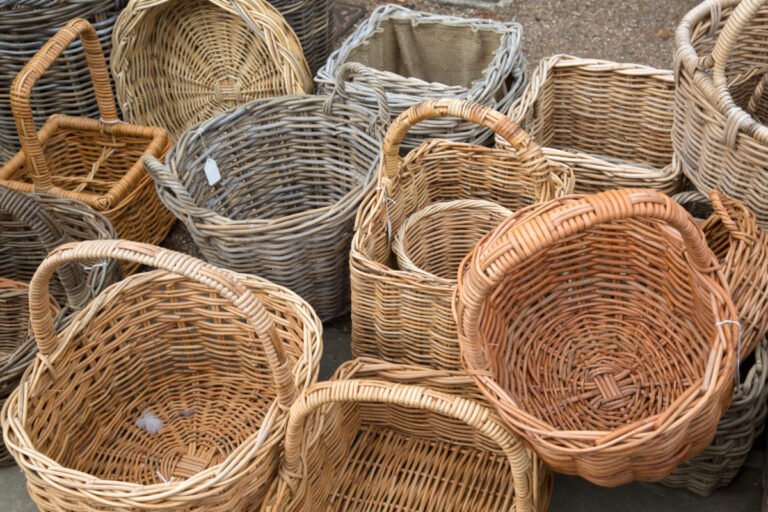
(418, 56)
(169, 391)
(719, 134)
(292, 173)
(434, 240)
(609, 121)
(312, 21)
(601, 328)
(381, 436)
(389, 305)
(179, 62)
(24, 27)
(97, 162)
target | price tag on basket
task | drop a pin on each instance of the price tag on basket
(212, 171)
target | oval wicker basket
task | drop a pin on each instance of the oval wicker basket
(389, 305)
(719, 133)
(179, 62)
(312, 20)
(97, 162)
(609, 121)
(24, 27)
(169, 391)
(619, 363)
(293, 171)
(380, 436)
(417, 56)
(435, 239)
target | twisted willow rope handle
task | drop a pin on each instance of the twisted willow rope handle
(21, 91)
(222, 281)
(358, 72)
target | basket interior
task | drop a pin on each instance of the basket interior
(617, 327)
(166, 347)
(431, 51)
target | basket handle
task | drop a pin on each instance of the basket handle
(167, 184)
(514, 241)
(356, 71)
(224, 282)
(734, 215)
(21, 91)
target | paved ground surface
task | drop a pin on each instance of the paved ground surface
(629, 31)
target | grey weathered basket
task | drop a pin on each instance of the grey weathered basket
(418, 56)
(312, 22)
(293, 171)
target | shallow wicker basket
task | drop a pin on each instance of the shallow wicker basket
(167, 392)
(619, 362)
(719, 134)
(417, 56)
(293, 172)
(312, 20)
(381, 436)
(97, 162)
(609, 121)
(390, 306)
(179, 62)
(24, 27)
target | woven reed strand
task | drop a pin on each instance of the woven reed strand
(312, 20)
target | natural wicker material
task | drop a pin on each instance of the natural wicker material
(293, 172)
(390, 306)
(609, 121)
(97, 162)
(382, 436)
(417, 56)
(217, 357)
(312, 20)
(721, 66)
(179, 62)
(602, 330)
(435, 239)
(24, 27)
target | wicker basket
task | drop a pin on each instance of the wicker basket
(312, 21)
(619, 362)
(179, 62)
(390, 305)
(434, 240)
(293, 171)
(418, 56)
(611, 122)
(381, 436)
(24, 27)
(167, 392)
(97, 162)
(722, 67)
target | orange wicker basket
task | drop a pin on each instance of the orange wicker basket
(602, 329)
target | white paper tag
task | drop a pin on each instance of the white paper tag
(212, 171)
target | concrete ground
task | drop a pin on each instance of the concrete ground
(628, 31)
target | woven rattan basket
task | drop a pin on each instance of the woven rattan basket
(719, 133)
(24, 27)
(609, 121)
(97, 162)
(618, 363)
(293, 172)
(381, 436)
(312, 21)
(417, 56)
(179, 62)
(390, 306)
(167, 392)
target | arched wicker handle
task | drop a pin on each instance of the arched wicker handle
(222, 281)
(169, 188)
(470, 111)
(514, 241)
(356, 71)
(21, 91)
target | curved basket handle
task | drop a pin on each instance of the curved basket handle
(470, 412)
(514, 241)
(356, 71)
(224, 282)
(471, 111)
(21, 91)
(739, 220)
(168, 185)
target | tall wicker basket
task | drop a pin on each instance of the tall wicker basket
(312, 20)
(169, 391)
(603, 332)
(382, 436)
(404, 316)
